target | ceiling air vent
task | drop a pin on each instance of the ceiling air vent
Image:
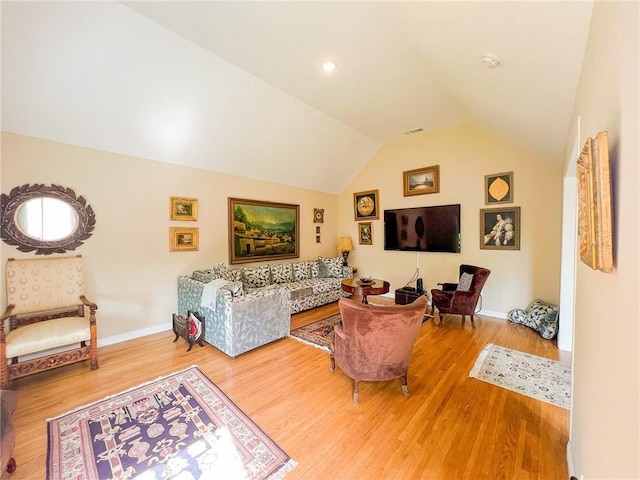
(411, 132)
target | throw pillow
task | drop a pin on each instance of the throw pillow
(281, 273)
(256, 277)
(301, 271)
(464, 284)
(204, 276)
(235, 288)
(233, 275)
(314, 266)
(541, 317)
(330, 267)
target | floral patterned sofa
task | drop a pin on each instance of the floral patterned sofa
(245, 308)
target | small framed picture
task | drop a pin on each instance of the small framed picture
(318, 215)
(318, 230)
(183, 239)
(422, 181)
(498, 188)
(365, 233)
(500, 228)
(365, 205)
(184, 208)
(317, 238)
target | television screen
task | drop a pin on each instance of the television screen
(423, 229)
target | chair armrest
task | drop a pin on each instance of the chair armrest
(89, 304)
(339, 331)
(7, 313)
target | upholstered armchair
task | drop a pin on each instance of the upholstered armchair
(46, 313)
(374, 342)
(460, 298)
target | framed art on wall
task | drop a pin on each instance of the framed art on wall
(594, 204)
(365, 205)
(421, 181)
(261, 231)
(184, 208)
(365, 233)
(500, 228)
(318, 215)
(183, 239)
(498, 188)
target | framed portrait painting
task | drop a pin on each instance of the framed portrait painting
(365, 205)
(184, 208)
(183, 239)
(262, 231)
(421, 181)
(500, 228)
(365, 233)
(498, 188)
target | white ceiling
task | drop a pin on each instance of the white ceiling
(237, 86)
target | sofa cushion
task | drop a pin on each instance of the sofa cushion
(301, 271)
(256, 277)
(330, 267)
(314, 266)
(282, 273)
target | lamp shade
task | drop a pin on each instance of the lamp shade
(345, 244)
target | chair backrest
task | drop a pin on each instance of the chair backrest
(380, 339)
(480, 275)
(35, 285)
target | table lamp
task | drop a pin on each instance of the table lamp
(345, 245)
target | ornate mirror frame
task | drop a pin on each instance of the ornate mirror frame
(12, 235)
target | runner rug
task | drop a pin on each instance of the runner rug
(179, 426)
(530, 375)
(317, 333)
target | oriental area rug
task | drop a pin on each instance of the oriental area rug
(317, 333)
(181, 426)
(536, 377)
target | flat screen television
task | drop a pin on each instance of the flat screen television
(423, 229)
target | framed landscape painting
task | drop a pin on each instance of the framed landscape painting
(500, 228)
(421, 181)
(183, 239)
(261, 231)
(184, 208)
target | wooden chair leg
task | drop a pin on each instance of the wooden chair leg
(473, 325)
(11, 465)
(355, 391)
(332, 367)
(405, 386)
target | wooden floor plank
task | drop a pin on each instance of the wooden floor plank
(451, 426)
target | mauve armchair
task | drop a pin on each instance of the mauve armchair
(460, 298)
(374, 343)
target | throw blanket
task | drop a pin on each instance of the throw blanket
(210, 291)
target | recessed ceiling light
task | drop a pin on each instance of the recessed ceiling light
(329, 66)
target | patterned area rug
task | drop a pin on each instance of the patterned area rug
(180, 426)
(534, 376)
(317, 333)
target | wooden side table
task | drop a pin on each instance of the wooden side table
(188, 329)
(354, 285)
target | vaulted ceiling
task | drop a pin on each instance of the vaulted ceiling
(237, 87)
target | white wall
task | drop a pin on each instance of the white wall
(605, 418)
(131, 274)
(465, 155)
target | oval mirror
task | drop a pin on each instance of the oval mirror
(45, 219)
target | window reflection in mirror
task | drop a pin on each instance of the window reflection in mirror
(46, 219)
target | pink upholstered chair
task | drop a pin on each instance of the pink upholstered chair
(460, 298)
(374, 343)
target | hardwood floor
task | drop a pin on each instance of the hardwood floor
(451, 427)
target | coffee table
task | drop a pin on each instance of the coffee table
(355, 285)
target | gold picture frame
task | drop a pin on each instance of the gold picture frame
(181, 208)
(365, 233)
(318, 215)
(262, 231)
(421, 181)
(183, 239)
(366, 206)
(500, 228)
(498, 188)
(594, 204)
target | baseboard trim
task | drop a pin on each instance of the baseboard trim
(143, 332)
(571, 469)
